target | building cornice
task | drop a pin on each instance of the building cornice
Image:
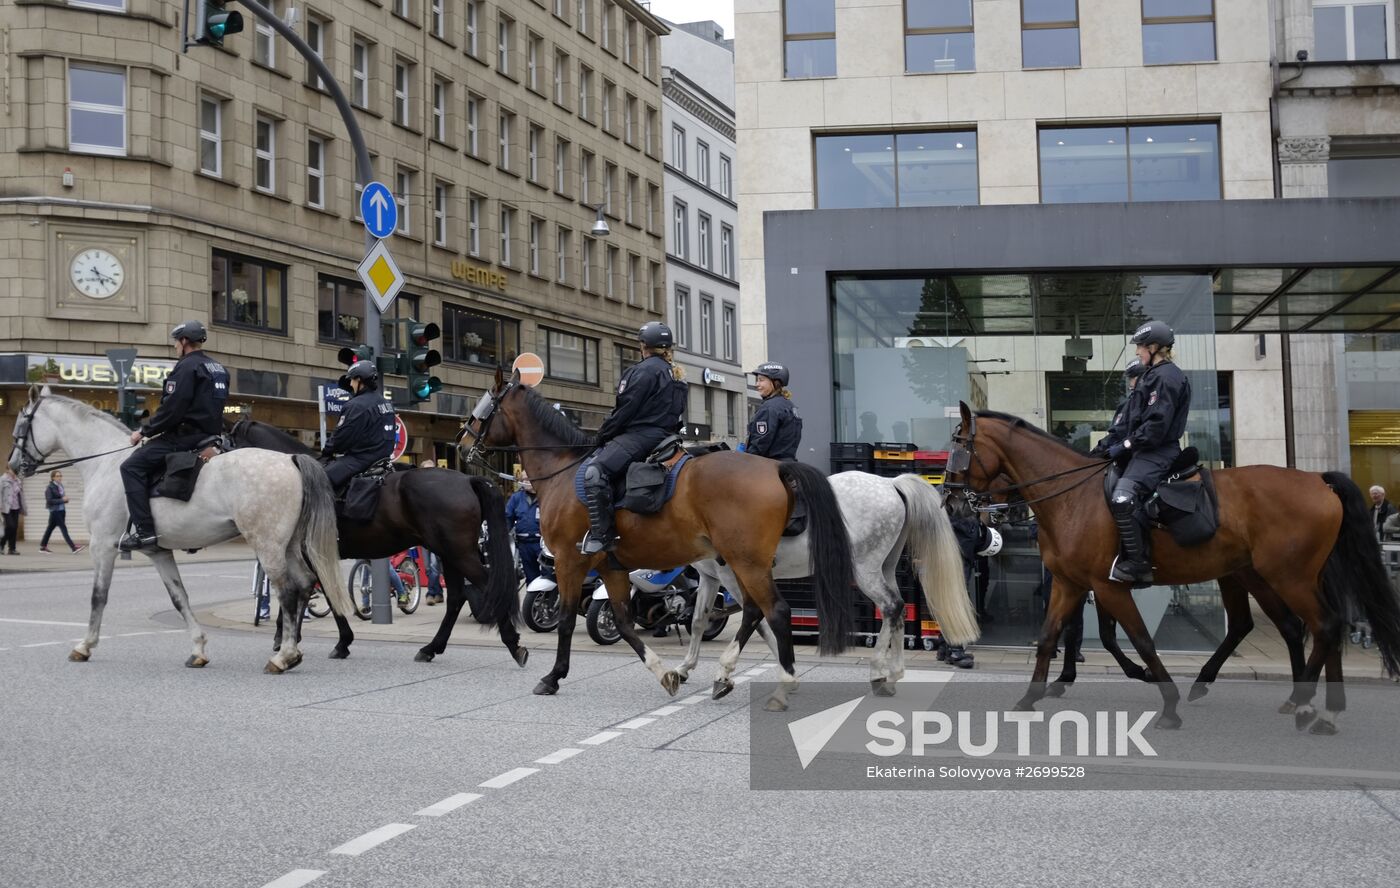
(686, 96)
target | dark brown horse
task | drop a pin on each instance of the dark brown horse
(1305, 538)
(441, 511)
(726, 505)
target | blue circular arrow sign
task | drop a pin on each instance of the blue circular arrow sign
(378, 210)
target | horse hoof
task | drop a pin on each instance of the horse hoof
(1323, 727)
(1287, 707)
(521, 655)
(77, 656)
(722, 688)
(546, 688)
(424, 656)
(1304, 717)
(1056, 689)
(671, 682)
(195, 662)
(1169, 721)
(273, 669)
(775, 705)
(1198, 690)
(881, 687)
(339, 653)
(1137, 673)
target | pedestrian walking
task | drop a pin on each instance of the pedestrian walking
(56, 500)
(12, 500)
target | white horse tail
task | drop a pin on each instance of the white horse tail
(316, 539)
(938, 559)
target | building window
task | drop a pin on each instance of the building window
(563, 252)
(586, 265)
(316, 39)
(561, 10)
(403, 187)
(570, 357)
(211, 135)
(653, 207)
(401, 8)
(707, 324)
(533, 47)
(474, 224)
(1178, 31)
(536, 234)
(938, 36)
(809, 38)
(441, 194)
(682, 330)
(110, 5)
(610, 272)
(649, 56)
(248, 292)
(649, 132)
(702, 231)
(340, 310)
(656, 294)
(730, 408)
(609, 16)
(585, 177)
(583, 16)
(438, 19)
(265, 42)
(726, 251)
(561, 166)
(680, 232)
(726, 176)
(609, 185)
(634, 277)
(730, 330)
(505, 36)
(630, 199)
(1049, 33)
(629, 119)
(585, 90)
(897, 169)
(359, 74)
(473, 16)
(507, 123)
(440, 98)
(316, 172)
(561, 78)
(1348, 30)
(609, 96)
(1363, 171)
(629, 39)
(678, 151)
(532, 152)
(470, 337)
(97, 110)
(402, 106)
(702, 163)
(265, 155)
(474, 125)
(507, 235)
(1137, 163)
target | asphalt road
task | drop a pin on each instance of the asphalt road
(131, 770)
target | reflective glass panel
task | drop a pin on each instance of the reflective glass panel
(855, 171)
(937, 169)
(939, 53)
(1085, 165)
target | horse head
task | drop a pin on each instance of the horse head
(32, 444)
(975, 459)
(492, 421)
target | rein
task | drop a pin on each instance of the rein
(474, 453)
(977, 499)
(30, 465)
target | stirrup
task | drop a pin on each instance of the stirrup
(589, 541)
(1139, 581)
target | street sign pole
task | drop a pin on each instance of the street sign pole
(121, 360)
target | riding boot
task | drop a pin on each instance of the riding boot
(136, 539)
(1132, 564)
(597, 489)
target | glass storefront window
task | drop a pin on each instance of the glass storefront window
(1140, 163)
(570, 357)
(472, 337)
(924, 169)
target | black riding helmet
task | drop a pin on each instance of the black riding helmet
(364, 371)
(1134, 369)
(774, 371)
(655, 334)
(1154, 333)
(192, 330)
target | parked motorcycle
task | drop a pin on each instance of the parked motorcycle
(659, 598)
(541, 605)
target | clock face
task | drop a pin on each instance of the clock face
(97, 273)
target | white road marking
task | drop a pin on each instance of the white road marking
(754, 673)
(600, 738)
(132, 634)
(296, 878)
(665, 710)
(40, 622)
(509, 777)
(562, 755)
(765, 665)
(691, 701)
(448, 805)
(356, 847)
(43, 644)
(740, 679)
(636, 723)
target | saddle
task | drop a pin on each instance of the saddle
(360, 499)
(649, 484)
(177, 480)
(1186, 509)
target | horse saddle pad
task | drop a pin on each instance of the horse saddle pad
(1185, 508)
(182, 468)
(361, 498)
(647, 486)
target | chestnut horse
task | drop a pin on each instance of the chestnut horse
(1306, 537)
(726, 505)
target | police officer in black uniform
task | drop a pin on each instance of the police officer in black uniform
(1154, 421)
(1116, 431)
(651, 405)
(191, 409)
(366, 431)
(775, 430)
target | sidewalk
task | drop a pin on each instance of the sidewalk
(31, 559)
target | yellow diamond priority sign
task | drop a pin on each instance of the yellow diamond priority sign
(381, 275)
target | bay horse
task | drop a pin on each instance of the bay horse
(883, 517)
(726, 505)
(440, 510)
(282, 506)
(1307, 536)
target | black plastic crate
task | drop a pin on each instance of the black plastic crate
(851, 450)
(887, 446)
(851, 465)
(888, 468)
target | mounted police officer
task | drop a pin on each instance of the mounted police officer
(366, 431)
(1154, 420)
(651, 406)
(1132, 373)
(191, 409)
(775, 430)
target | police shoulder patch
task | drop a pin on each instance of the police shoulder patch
(1152, 399)
(622, 386)
(761, 427)
(170, 386)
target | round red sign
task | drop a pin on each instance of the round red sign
(530, 367)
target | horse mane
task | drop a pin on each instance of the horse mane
(552, 422)
(1019, 423)
(87, 410)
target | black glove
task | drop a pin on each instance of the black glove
(326, 453)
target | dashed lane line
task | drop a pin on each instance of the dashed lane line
(42, 644)
(600, 738)
(636, 723)
(691, 701)
(448, 805)
(296, 878)
(39, 622)
(559, 756)
(357, 846)
(508, 778)
(665, 710)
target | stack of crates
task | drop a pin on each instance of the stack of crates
(931, 464)
(853, 456)
(893, 460)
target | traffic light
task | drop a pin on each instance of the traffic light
(215, 22)
(350, 355)
(421, 360)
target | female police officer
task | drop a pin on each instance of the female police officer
(1117, 429)
(651, 404)
(775, 430)
(1154, 420)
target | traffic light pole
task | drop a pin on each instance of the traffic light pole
(381, 608)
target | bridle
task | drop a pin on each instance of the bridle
(30, 459)
(479, 448)
(964, 454)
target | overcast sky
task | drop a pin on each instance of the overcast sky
(721, 11)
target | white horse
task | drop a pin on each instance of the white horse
(282, 505)
(882, 515)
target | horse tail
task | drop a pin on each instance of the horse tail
(938, 560)
(316, 539)
(1354, 578)
(502, 608)
(829, 547)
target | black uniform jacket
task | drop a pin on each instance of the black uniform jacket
(193, 399)
(647, 399)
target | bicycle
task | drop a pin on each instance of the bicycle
(316, 605)
(406, 565)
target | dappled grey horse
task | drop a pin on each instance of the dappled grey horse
(882, 516)
(282, 505)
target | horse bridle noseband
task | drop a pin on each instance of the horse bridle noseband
(960, 461)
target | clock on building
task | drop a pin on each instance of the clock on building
(96, 273)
